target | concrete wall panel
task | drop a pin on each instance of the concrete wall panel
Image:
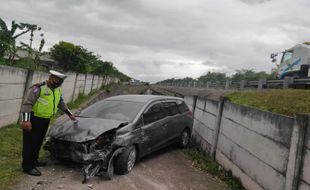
(189, 101)
(88, 86)
(9, 107)
(307, 140)
(205, 132)
(267, 150)
(11, 75)
(39, 77)
(8, 119)
(200, 141)
(201, 102)
(258, 171)
(205, 117)
(211, 106)
(95, 82)
(11, 91)
(12, 85)
(247, 182)
(106, 80)
(68, 87)
(80, 85)
(274, 126)
(100, 82)
(304, 186)
(305, 172)
(9, 112)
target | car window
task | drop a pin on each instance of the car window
(154, 113)
(112, 109)
(182, 106)
(170, 108)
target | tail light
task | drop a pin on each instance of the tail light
(189, 114)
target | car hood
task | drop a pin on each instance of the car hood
(83, 129)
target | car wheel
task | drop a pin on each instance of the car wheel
(126, 160)
(185, 137)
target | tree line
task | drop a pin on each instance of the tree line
(243, 74)
(67, 56)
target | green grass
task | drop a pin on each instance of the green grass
(10, 155)
(287, 102)
(81, 99)
(75, 104)
(204, 163)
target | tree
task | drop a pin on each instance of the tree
(103, 67)
(246, 74)
(212, 77)
(65, 54)
(77, 58)
(8, 37)
(34, 53)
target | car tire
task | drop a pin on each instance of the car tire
(126, 160)
(110, 171)
(185, 138)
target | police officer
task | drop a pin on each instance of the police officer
(38, 108)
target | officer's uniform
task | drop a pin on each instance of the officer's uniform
(39, 107)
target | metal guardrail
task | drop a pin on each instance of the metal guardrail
(287, 82)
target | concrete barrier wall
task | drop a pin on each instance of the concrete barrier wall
(12, 85)
(100, 82)
(305, 171)
(255, 146)
(88, 84)
(14, 81)
(79, 86)
(68, 87)
(260, 148)
(105, 78)
(39, 77)
(189, 101)
(204, 123)
(95, 82)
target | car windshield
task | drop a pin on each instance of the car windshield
(116, 110)
(286, 58)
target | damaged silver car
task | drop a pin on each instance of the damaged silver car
(111, 135)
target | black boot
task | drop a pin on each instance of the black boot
(33, 172)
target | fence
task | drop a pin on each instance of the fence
(265, 150)
(287, 82)
(14, 83)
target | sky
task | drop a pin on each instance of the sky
(156, 40)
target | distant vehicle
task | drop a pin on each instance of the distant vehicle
(135, 82)
(295, 62)
(111, 134)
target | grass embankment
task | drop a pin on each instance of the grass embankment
(286, 102)
(10, 154)
(11, 148)
(204, 163)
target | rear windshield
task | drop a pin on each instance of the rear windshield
(116, 110)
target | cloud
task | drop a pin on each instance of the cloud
(155, 40)
(254, 1)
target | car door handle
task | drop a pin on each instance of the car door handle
(165, 125)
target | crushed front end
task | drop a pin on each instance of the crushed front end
(95, 155)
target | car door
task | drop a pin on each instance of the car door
(174, 119)
(154, 128)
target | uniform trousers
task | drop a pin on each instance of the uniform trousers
(32, 141)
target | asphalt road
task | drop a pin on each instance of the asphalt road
(163, 170)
